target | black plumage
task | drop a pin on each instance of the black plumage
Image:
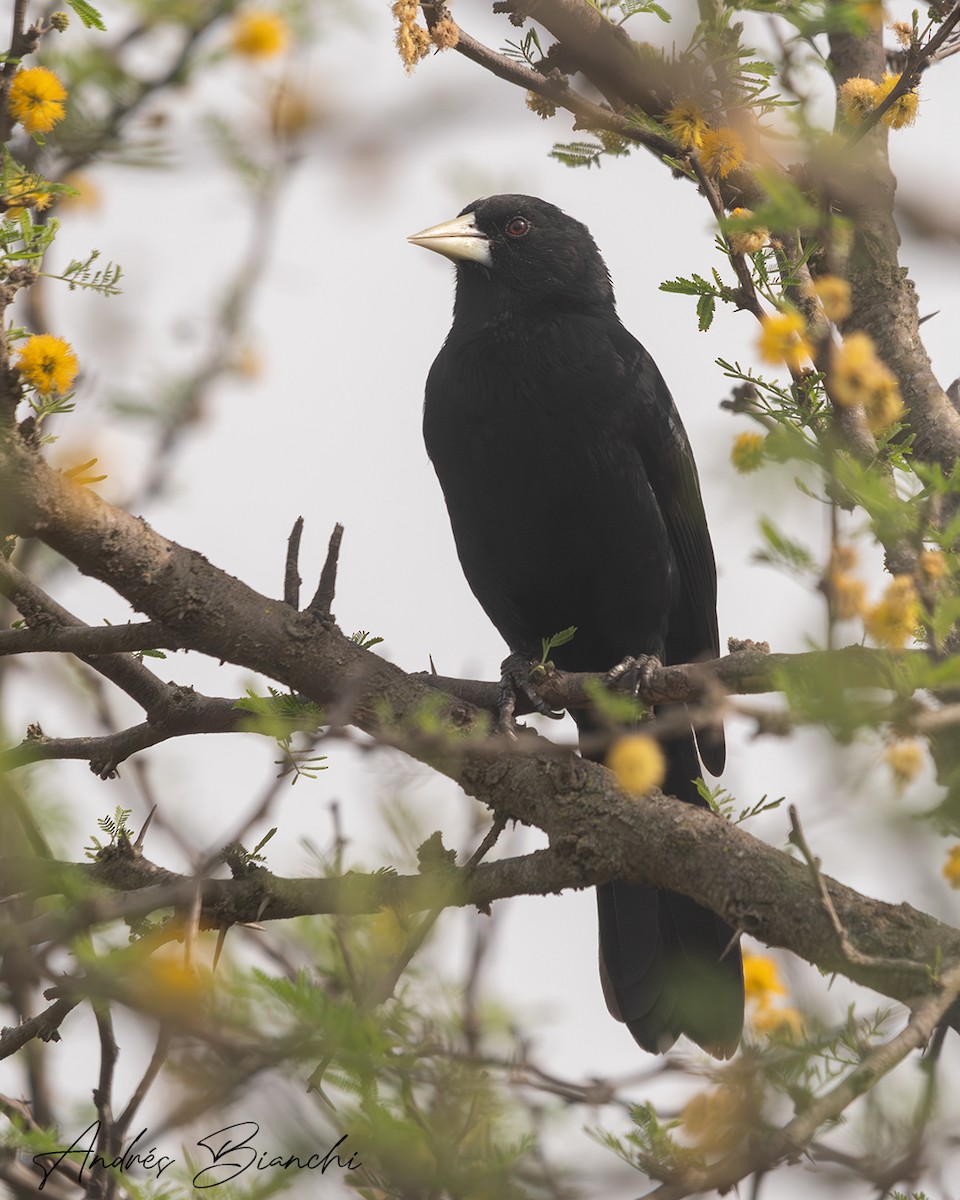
(574, 501)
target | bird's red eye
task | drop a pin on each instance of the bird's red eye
(517, 227)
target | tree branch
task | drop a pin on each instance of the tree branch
(595, 831)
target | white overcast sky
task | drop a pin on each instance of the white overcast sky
(345, 325)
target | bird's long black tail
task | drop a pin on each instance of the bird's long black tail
(666, 963)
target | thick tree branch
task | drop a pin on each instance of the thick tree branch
(750, 671)
(595, 832)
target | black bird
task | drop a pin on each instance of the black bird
(574, 501)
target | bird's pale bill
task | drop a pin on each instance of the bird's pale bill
(456, 239)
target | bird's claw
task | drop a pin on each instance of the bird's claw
(634, 673)
(516, 682)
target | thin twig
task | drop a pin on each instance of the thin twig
(852, 955)
(158, 1058)
(917, 59)
(788, 1143)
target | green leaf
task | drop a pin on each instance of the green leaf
(706, 307)
(364, 639)
(630, 8)
(695, 286)
(578, 154)
(88, 15)
(557, 639)
(783, 551)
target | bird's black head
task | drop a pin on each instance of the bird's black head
(519, 251)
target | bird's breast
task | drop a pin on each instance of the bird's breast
(553, 516)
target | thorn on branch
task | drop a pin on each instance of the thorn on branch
(138, 844)
(291, 574)
(321, 604)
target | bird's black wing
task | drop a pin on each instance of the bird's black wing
(668, 460)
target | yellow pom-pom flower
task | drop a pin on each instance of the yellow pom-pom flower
(892, 621)
(857, 376)
(638, 763)
(721, 151)
(686, 124)
(36, 99)
(24, 191)
(747, 452)
(903, 32)
(749, 239)
(412, 40)
(951, 868)
(858, 98)
(717, 1120)
(785, 1021)
(47, 363)
(905, 760)
(933, 564)
(166, 987)
(445, 34)
(834, 296)
(761, 978)
(903, 111)
(846, 593)
(783, 339)
(259, 33)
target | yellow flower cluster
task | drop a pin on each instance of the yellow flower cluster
(718, 1119)
(834, 296)
(166, 987)
(36, 99)
(951, 868)
(686, 124)
(872, 12)
(903, 32)
(258, 33)
(783, 339)
(445, 34)
(24, 191)
(47, 363)
(846, 593)
(747, 452)
(761, 984)
(904, 109)
(722, 151)
(893, 621)
(638, 763)
(412, 40)
(543, 106)
(859, 97)
(857, 376)
(749, 238)
(905, 760)
(933, 564)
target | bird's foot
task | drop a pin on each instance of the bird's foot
(516, 683)
(634, 673)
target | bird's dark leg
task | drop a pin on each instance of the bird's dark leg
(634, 673)
(515, 683)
